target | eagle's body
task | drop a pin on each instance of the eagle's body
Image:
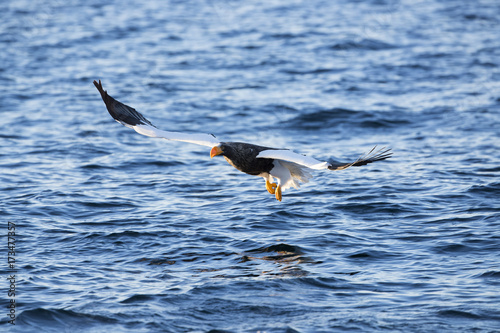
(243, 156)
(287, 167)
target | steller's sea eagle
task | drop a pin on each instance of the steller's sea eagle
(288, 167)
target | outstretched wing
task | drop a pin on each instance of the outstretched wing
(312, 163)
(129, 117)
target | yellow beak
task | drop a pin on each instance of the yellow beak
(215, 151)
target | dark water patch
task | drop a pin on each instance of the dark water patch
(489, 169)
(287, 261)
(283, 215)
(370, 255)
(11, 136)
(343, 118)
(366, 209)
(219, 306)
(326, 283)
(489, 274)
(280, 248)
(454, 248)
(318, 119)
(60, 318)
(454, 219)
(155, 163)
(251, 47)
(124, 236)
(107, 204)
(279, 253)
(165, 87)
(139, 298)
(285, 36)
(164, 261)
(237, 32)
(245, 87)
(476, 17)
(490, 189)
(94, 166)
(486, 64)
(198, 258)
(311, 71)
(459, 314)
(363, 44)
(89, 134)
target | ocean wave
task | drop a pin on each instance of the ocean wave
(344, 118)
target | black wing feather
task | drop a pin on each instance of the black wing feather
(372, 156)
(122, 113)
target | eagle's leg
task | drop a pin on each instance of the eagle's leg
(278, 193)
(271, 187)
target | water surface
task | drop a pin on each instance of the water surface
(117, 232)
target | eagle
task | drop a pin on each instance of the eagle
(287, 167)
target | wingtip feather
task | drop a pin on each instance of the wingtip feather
(372, 156)
(99, 87)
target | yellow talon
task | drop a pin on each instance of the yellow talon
(271, 187)
(278, 193)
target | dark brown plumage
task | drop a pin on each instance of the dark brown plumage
(122, 113)
(243, 156)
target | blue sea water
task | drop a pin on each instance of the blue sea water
(117, 232)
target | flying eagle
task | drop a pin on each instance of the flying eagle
(288, 167)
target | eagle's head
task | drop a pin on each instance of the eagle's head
(217, 150)
(229, 150)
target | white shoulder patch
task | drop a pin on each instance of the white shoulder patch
(290, 156)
